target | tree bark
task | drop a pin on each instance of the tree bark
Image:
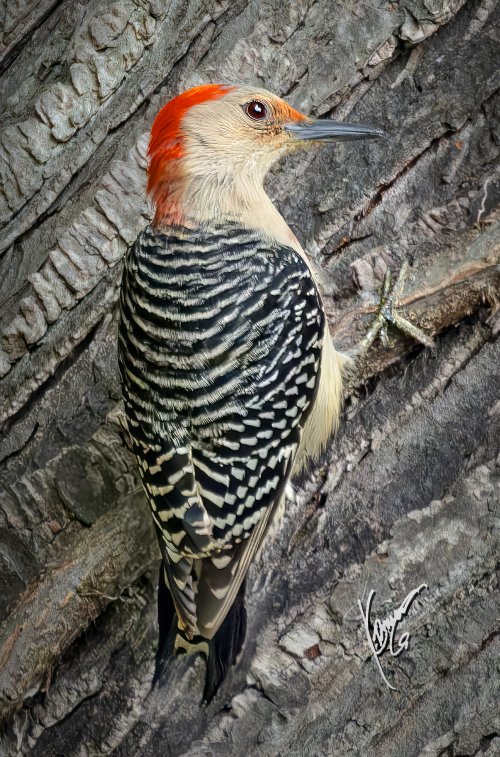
(408, 493)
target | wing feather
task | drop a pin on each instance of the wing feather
(219, 380)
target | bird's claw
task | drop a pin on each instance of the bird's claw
(388, 314)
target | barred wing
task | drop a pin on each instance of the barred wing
(220, 348)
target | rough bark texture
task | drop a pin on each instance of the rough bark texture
(408, 493)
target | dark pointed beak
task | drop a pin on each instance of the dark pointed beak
(335, 131)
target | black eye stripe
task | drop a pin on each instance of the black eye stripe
(256, 110)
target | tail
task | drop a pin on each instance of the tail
(226, 645)
(220, 652)
(167, 624)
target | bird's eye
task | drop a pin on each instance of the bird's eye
(256, 110)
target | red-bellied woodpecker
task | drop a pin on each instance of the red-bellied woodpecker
(230, 379)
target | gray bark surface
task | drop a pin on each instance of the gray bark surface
(409, 491)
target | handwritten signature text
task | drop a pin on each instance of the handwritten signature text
(382, 633)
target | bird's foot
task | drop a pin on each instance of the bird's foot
(117, 418)
(388, 314)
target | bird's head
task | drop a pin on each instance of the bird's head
(211, 147)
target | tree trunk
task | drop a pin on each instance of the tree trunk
(408, 493)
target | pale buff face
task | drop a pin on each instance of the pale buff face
(222, 137)
(226, 155)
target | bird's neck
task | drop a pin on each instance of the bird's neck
(194, 201)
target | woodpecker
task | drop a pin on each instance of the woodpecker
(230, 379)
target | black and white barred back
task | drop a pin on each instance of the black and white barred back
(219, 347)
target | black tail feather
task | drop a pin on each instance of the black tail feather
(167, 623)
(222, 649)
(225, 646)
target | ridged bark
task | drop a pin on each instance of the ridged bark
(408, 492)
